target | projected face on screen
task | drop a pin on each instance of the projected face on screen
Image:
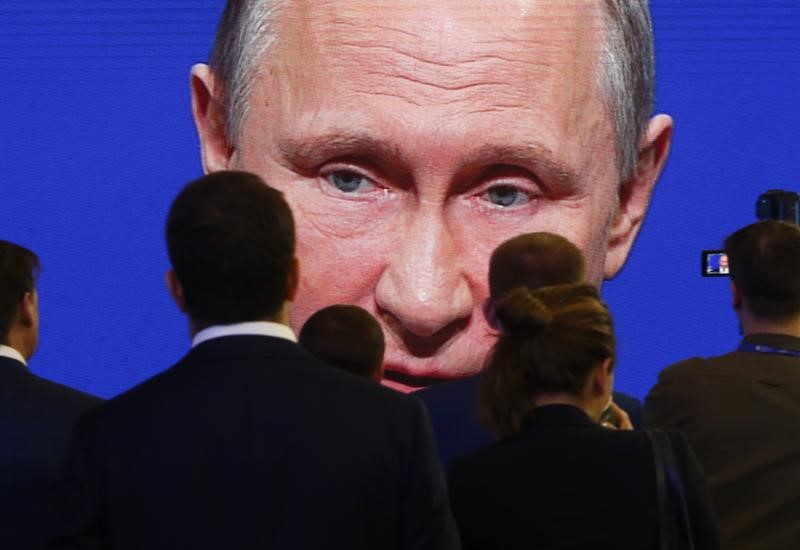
(413, 137)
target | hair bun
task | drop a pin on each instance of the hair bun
(521, 311)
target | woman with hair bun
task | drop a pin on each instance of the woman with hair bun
(556, 478)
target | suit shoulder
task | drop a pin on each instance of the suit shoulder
(139, 399)
(59, 395)
(693, 367)
(295, 381)
(42, 407)
(369, 393)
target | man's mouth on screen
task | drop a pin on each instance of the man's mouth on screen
(400, 380)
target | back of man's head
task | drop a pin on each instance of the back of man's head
(534, 260)
(347, 337)
(231, 244)
(18, 270)
(764, 262)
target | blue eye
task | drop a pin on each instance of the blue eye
(350, 182)
(506, 196)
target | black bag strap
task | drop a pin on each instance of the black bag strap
(675, 528)
(661, 490)
(677, 489)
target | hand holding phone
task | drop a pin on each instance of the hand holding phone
(615, 418)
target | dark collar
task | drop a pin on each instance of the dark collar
(557, 414)
(783, 341)
(242, 345)
(9, 364)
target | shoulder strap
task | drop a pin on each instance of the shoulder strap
(671, 494)
(661, 489)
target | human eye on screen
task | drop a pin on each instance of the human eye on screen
(521, 196)
(502, 187)
(506, 196)
(350, 183)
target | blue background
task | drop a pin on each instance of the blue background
(96, 139)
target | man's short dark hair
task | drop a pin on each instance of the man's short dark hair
(345, 336)
(764, 262)
(19, 268)
(534, 260)
(231, 243)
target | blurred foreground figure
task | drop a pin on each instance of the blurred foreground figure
(741, 410)
(347, 337)
(248, 441)
(36, 415)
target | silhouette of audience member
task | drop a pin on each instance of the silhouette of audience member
(36, 415)
(556, 478)
(530, 260)
(741, 410)
(248, 441)
(347, 337)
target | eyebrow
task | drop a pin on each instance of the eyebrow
(317, 149)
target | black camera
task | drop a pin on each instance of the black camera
(778, 205)
(775, 204)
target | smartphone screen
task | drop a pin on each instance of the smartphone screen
(714, 263)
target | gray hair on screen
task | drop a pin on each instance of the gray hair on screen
(248, 29)
(627, 77)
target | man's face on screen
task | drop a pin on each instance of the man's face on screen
(413, 137)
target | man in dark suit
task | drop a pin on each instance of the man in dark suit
(741, 410)
(36, 415)
(532, 260)
(248, 441)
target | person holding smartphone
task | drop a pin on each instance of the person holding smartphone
(556, 478)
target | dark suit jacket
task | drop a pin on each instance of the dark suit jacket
(566, 483)
(453, 407)
(741, 413)
(36, 419)
(249, 442)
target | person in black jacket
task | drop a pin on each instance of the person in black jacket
(530, 260)
(556, 478)
(248, 441)
(36, 415)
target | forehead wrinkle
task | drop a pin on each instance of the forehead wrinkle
(510, 48)
(440, 86)
(393, 71)
(331, 24)
(357, 42)
(372, 42)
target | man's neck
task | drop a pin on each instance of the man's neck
(19, 339)
(756, 325)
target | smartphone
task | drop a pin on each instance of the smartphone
(608, 415)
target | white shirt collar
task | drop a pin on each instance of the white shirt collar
(259, 328)
(11, 353)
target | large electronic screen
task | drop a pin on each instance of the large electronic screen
(97, 138)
